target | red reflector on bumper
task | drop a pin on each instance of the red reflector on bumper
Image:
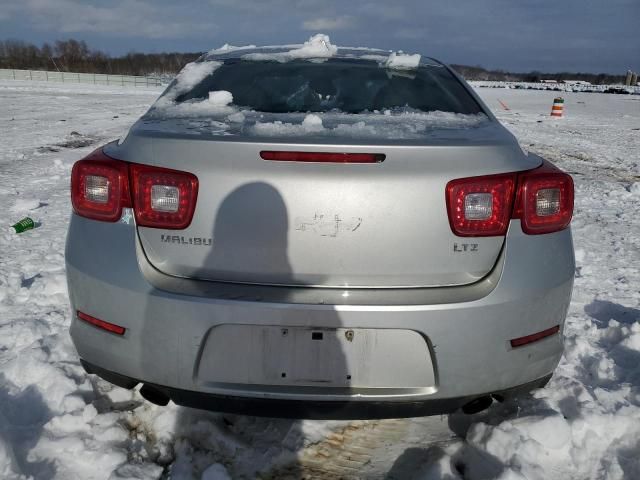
(109, 327)
(322, 157)
(519, 342)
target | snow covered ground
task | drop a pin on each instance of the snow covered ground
(57, 422)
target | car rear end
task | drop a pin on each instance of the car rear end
(339, 240)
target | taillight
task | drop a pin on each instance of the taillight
(545, 200)
(480, 206)
(100, 187)
(541, 198)
(163, 198)
(322, 157)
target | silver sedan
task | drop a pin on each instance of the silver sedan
(320, 232)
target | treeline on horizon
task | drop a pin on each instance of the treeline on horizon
(76, 56)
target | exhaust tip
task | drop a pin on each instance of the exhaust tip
(477, 405)
(154, 395)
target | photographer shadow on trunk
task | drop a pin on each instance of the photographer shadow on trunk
(267, 345)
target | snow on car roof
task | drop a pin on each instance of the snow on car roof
(319, 46)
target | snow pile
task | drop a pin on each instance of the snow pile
(402, 61)
(317, 47)
(217, 105)
(584, 425)
(189, 77)
(192, 74)
(220, 98)
(542, 447)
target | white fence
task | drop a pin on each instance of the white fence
(71, 77)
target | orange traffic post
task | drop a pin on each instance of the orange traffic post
(557, 109)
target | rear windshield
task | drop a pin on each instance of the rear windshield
(345, 85)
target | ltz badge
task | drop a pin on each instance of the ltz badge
(465, 247)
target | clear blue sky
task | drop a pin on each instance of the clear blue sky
(517, 35)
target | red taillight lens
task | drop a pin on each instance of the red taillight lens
(480, 206)
(545, 200)
(163, 198)
(100, 187)
(96, 322)
(483, 206)
(322, 157)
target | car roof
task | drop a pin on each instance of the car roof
(357, 53)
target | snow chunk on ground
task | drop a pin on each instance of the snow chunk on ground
(220, 98)
(318, 46)
(403, 61)
(22, 205)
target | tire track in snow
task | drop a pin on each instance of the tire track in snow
(343, 453)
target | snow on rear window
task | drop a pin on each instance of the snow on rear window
(188, 78)
(340, 84)
(347, 97)
(220, 98)
(192, 74)
(406, 125)
(373, 127)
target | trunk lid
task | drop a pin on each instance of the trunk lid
(328, 225)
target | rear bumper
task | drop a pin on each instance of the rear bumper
(467, 329)
(317, 410)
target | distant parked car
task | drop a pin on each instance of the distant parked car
(320, 232)
(617, 90)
